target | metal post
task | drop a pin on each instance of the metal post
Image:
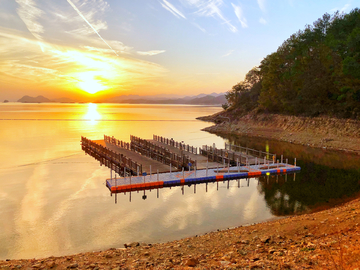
(295, 162)
(207, 165)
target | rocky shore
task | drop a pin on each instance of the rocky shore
(324, 240)
(320, 132)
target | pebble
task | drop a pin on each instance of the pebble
(192, 262)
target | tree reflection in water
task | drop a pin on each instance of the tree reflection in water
(326, 177)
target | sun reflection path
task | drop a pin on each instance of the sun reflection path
(92, 114)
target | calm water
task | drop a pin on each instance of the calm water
(53, 200)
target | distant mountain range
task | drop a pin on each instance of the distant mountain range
(202, 99)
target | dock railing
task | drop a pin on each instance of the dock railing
(160, 153)
(244, 155)
(179, 145)
(251, 152)
(117, 162)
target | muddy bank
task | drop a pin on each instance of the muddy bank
(321, 132)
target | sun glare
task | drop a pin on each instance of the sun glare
(94, 71)
(89, 83)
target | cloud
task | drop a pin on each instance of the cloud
(151, 53)
(29, 14)
(239, 15)
(262, 21)
(261, 4)
(345, 8)
(172, 9)
(92, 27)
(341, 10)
(210, 8)
(63, 68)
(199, 27)
(118, 46)
(228, 53)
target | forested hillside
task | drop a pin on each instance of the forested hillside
(314, 72)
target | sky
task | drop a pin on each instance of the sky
(86, 49)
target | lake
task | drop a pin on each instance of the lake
(53, 198)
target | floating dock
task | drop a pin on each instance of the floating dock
(155, 181)
(162, 162)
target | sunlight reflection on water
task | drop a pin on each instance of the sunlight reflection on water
(53, 197)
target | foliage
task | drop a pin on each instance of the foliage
(316, 71)
(225, 106)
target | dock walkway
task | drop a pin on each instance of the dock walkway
(155, 181)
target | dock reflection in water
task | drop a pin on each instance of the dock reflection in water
(263, 181)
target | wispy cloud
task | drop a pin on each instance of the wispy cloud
(199, 27)
(63, 67)
(262, 21)
(172, 9)
(261, 4)
(29, 14)
(343, 9)
(211, 8)
(239, 14)
(151, 53)
(92, 27)
(228, 53)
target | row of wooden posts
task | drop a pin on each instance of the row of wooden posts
(153, 151)
(179, 145)
(117, 162)
(117, 142)
(161, 154)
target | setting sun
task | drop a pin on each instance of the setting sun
(89, 83)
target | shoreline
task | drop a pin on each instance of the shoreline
(323, 240)
(318, 132)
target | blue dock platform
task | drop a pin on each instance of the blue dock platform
(155, 181)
